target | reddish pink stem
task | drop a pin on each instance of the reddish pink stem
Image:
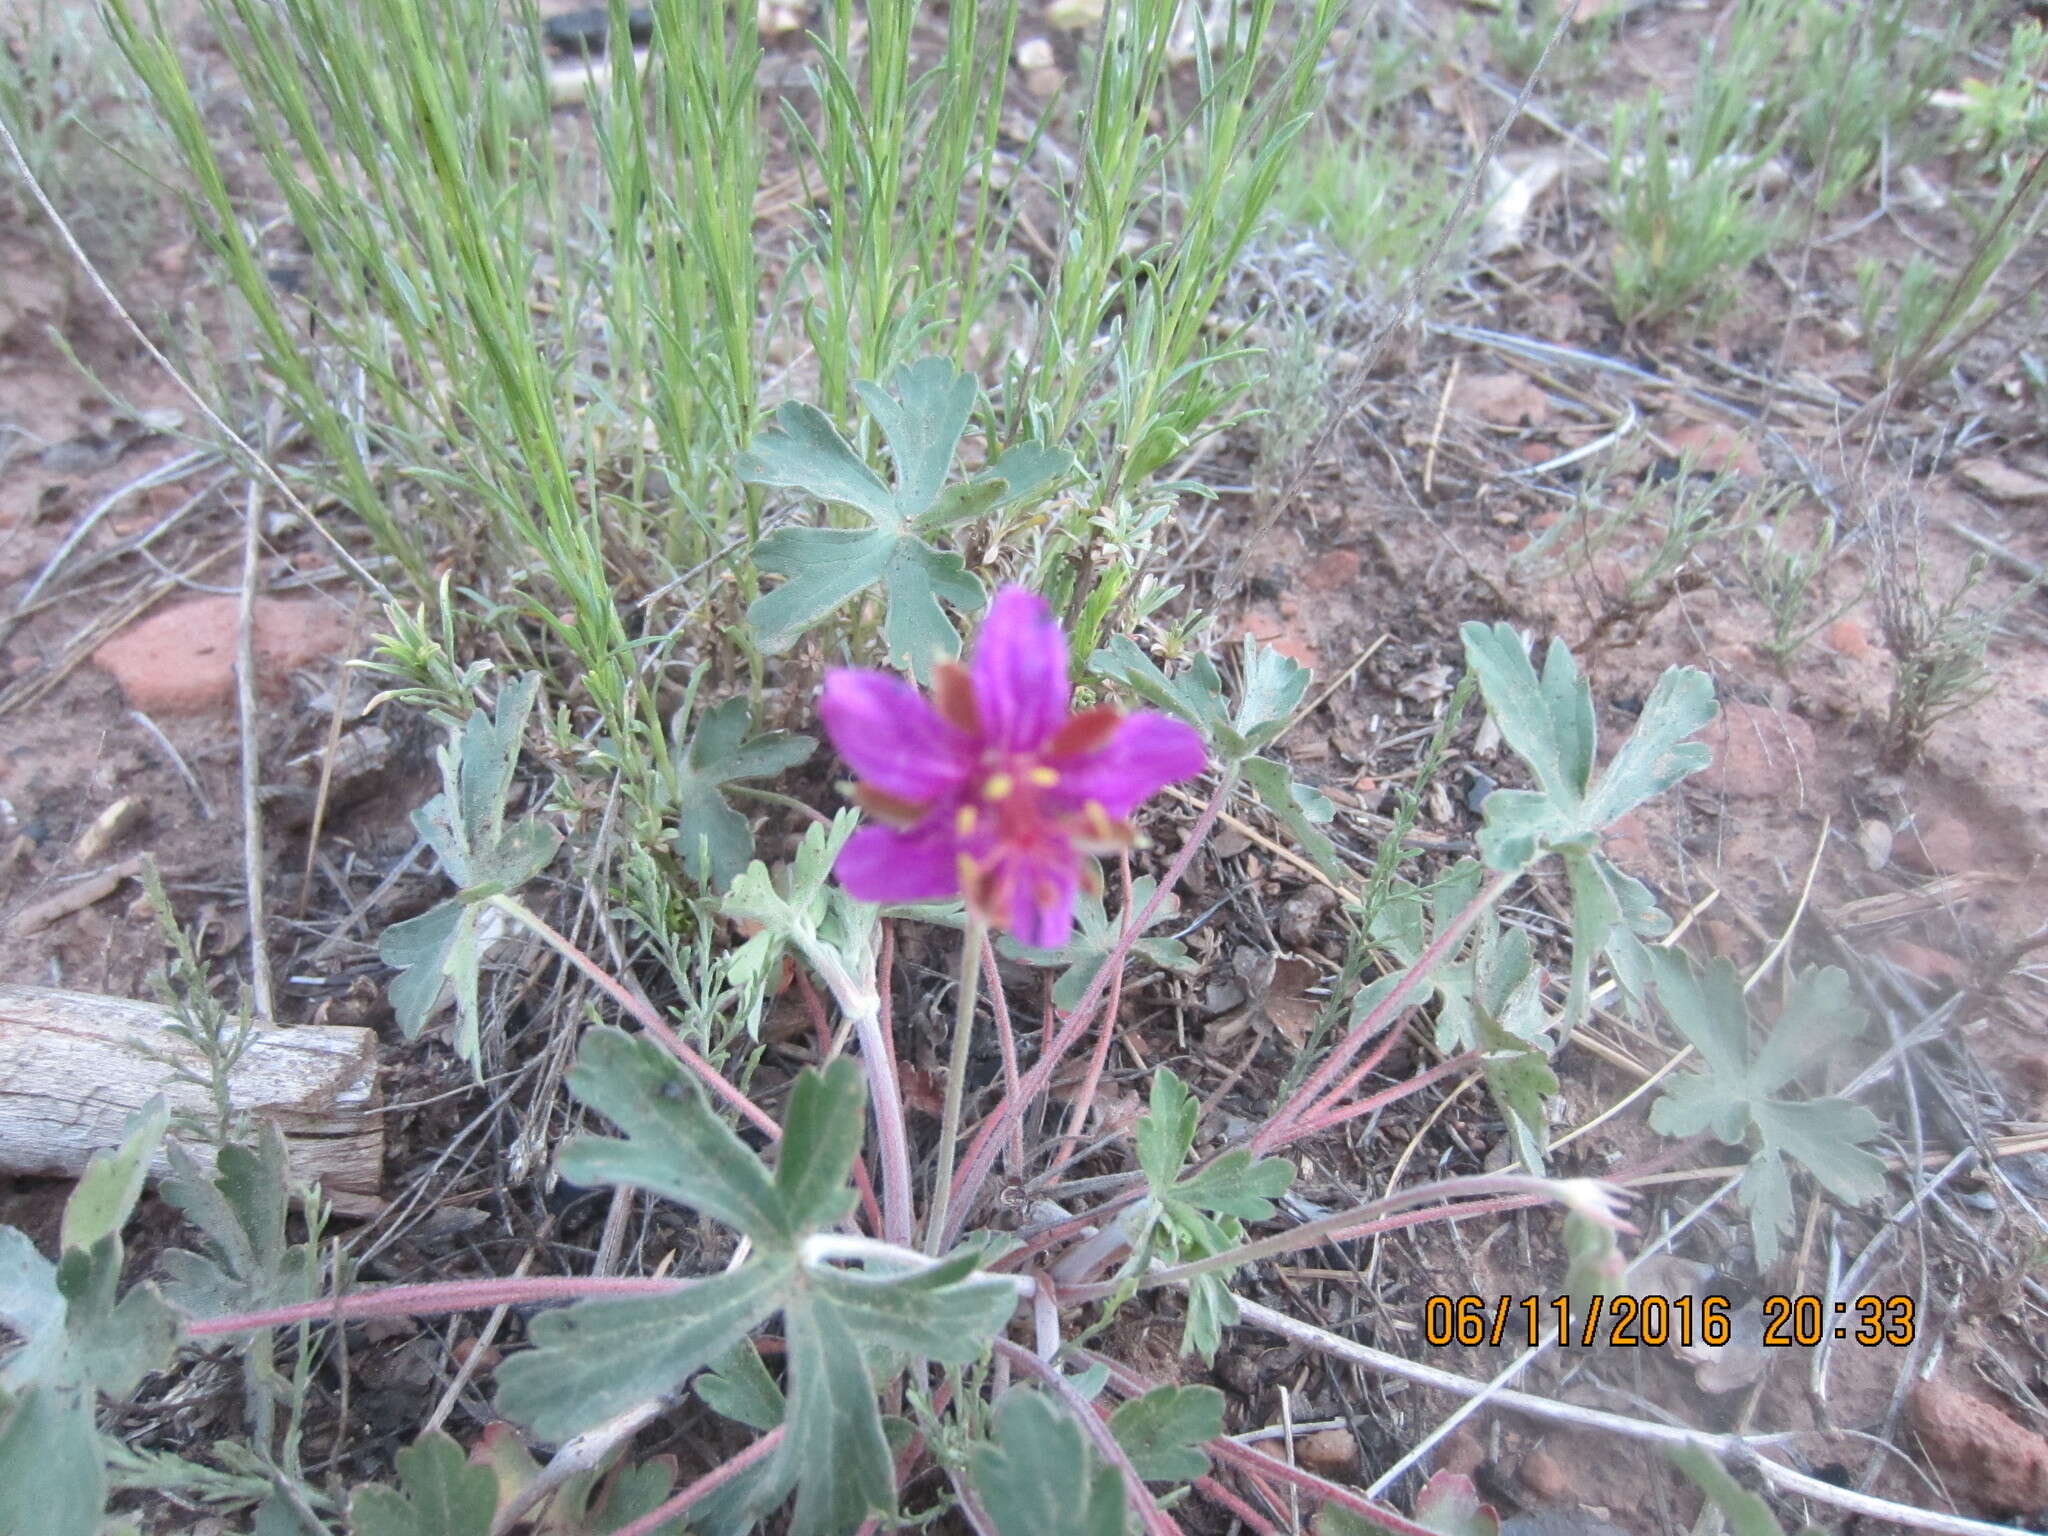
(1257, 1463)
(644, 1014)
(710, 1482)
(980, 1159)
(1390, 1007)
(1250, 1459)
(1100, 1058)
(1157, 1522)
(1322, 1118)
(435, 1297)
(1216, 1493)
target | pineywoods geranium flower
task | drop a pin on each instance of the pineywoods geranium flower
(993, 790)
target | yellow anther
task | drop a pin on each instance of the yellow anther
(1000, 786)
(1044, 778)
(964, 820)
(1098, 819)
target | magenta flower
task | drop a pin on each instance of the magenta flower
(994, 791)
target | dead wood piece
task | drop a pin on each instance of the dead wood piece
(75, 1065)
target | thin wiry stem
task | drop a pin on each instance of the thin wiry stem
(643, 1013)
(980, 1159)
(429, 1299)
(935, 1236)
(1307, 1101)
(710, 1482)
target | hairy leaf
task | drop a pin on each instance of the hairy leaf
(79, 1337)
(247, 1264)
(1163, 1432)
(1489, 996)
(1096, 934)
(483, 856)
(1549, 723)
(1740, 1095)
(675, 1145)
(112, 1182)
(1548, 720)
(799, 908)
(1038, 1474)
(439, 1494)
(1273, 688)
(713, 840)
(598, 1358)
(1201, 1214)
(922, 414)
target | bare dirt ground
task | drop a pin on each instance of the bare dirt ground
(1924, 880)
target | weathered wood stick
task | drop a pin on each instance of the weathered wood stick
(75, 1065)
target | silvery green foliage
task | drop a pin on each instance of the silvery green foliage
(1038, 1474)
(79, 1337)
(798, 907)
(714, 841)
(594, 1360)
(439, 1493)
(245, 1265)
(922, 415)
(1164, 1430)
(1548, 721)
(1274, 686)
(1739, 1097)
(1202, 1213)
(1096, 934)
(1489, 998)
(482, 855)
(443, 1491)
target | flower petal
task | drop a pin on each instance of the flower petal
(1148, 752)
(1033, 895)
(1020, 671)
(891, 737)
(883, 864)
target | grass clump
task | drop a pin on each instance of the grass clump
(546, 339)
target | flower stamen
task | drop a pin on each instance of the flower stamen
(998, 788)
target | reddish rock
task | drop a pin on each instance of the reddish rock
(1460, 1456)
(1936, 843)
(1980, 1447)
(1543, 1477)
(1759, 753)
(181, 659)
(1335, 571)
(1263, 624)
(1849, 637)
(1715, 447)
(1331, 1453)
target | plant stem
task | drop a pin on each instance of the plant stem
(981, 1154)
(435, 1297)
(710, 1482)
(1154, 1519)
(642, 1011)
(1282, 1126)
(956, 1082)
